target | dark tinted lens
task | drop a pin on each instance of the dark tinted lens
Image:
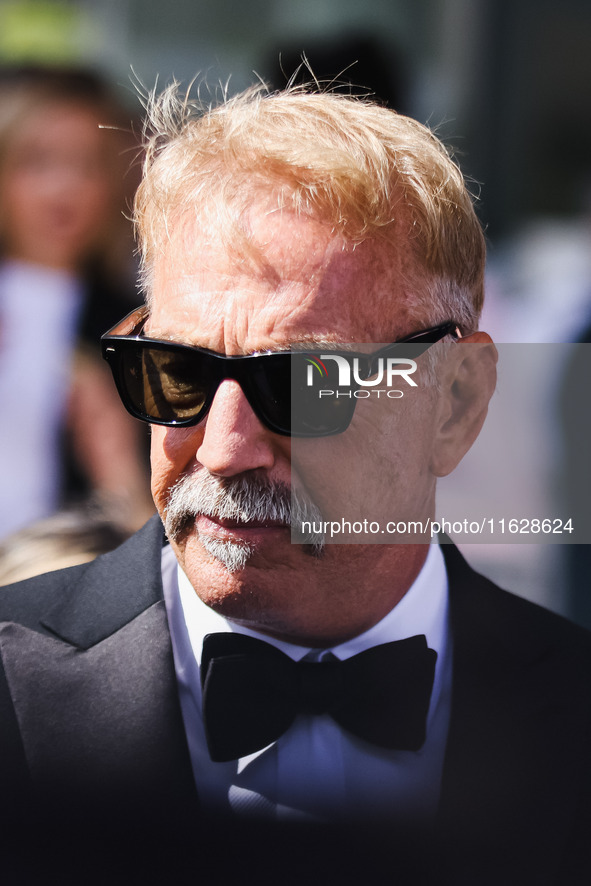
(319, 406)
(266, 381)
(291, 393)
(287, 399)
(165, 385)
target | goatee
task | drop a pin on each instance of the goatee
(244, 499)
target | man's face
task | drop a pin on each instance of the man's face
(310, 287)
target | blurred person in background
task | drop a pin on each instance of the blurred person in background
(65, 275)
(68, 538)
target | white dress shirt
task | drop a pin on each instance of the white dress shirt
(316, 770)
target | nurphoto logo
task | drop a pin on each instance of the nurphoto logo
(358, 376)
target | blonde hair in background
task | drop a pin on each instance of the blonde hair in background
(362, 168)
(67, 538)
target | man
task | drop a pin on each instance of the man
(272, 224)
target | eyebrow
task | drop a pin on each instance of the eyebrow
(306, 342)
(302, 343)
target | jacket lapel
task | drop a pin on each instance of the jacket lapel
(104, 660)
(112, 590)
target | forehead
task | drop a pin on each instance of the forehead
(290, 279)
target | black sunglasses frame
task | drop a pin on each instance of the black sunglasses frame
(252, 375)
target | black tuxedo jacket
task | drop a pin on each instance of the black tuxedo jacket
(92, 728)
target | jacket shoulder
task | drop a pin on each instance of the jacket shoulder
(131, 567)
(25, 601)
(479, 605)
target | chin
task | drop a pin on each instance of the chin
(236, 598)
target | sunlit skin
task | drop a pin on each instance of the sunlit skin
(310, 287)
(56, 187)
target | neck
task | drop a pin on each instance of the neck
(336, 616)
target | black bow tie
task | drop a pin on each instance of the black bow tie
(252, 693)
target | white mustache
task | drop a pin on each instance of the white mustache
(245, 499)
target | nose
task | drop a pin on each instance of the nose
(234, 440)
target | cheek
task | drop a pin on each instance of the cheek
(331, 471)
(377, 469)
(172, 454)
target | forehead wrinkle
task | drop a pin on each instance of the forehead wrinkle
(325, 292)
(367, 291)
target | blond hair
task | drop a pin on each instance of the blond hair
(363, 169)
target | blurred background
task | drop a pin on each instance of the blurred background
(506, 83)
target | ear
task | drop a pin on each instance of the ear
(468, 380)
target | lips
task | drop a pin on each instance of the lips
(242, 525)
(246, 524)
(211, 525)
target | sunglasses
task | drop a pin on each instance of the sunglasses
(165, 383)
